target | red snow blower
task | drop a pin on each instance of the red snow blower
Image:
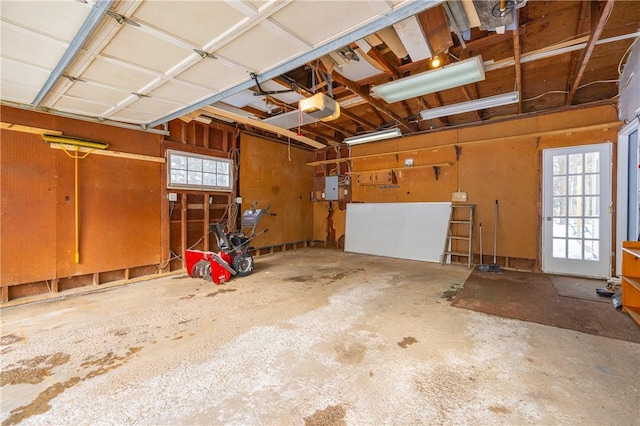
(234, 257)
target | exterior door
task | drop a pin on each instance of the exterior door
(576, 221)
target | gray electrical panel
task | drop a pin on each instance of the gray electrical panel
(331, 188)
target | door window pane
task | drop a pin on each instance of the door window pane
(559, 248)
(592, 162)
(575, 163)
(575, 249)
(591, 206)
(592, 228)
(592, 184)
(575, 206)
(560, 228)
(559, 206)
(575, 185)
(575, 228)
(559, 185)
(559, 164)
(591, 250)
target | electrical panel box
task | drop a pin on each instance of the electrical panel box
(331, 188)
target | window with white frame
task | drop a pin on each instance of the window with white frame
(200, 172)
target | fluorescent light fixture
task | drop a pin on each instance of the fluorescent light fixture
(474, 105)
(454, 75)
(372, 137)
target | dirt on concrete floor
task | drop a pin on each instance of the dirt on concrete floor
(314, 337)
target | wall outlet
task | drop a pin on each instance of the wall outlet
(459, 196)
(172, 196)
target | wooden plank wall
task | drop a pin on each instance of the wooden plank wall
(508, 170)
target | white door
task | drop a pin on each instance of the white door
(576, 220)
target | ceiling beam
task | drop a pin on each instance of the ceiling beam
(584, 7)
(591, 44)
(264, 126)
(352, 86)
(516, 57)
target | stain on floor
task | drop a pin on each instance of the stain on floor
(333, 415)
(34, 370)
(407, 341)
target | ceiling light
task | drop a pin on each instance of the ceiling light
(447, 77)
(372, 137)
(474, 105)
(435, 62)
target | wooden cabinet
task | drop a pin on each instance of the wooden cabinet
(631, 279)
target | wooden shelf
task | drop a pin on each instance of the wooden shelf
(393, 169)
(631, 279)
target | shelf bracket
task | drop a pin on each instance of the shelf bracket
(436, 171)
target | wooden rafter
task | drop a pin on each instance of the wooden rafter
(591, 44)
(584, 7)
(516, 56)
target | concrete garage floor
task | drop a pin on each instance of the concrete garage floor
(311, 337)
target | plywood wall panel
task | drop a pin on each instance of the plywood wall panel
(275, 174)
(27, 228)
(507, 170)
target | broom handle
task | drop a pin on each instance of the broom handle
(495, 233)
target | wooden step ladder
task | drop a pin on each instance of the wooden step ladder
(460, 229)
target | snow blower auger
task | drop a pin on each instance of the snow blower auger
(234, 257)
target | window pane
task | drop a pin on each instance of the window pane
(223, 168)
(195, 164)
(559, 206)
(559, 248)
(592, 228)
(592, 206)
(592, 250)
(178, 162)
(592, 184)
(223, 180)
(575, 163)
(575, 249)
(560, 228)
(209, 166)
(575, 228)
(592, 162)
(559, 185)
(209, 179)
(559, 164)
(575, 185)
(575, 206)
(194, 178)
(178, 176)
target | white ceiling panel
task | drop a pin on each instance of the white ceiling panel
(358, 70)
(79, 106)
(30, 47)
(97, 92)
(263, 47)
(242, 99)
(23, 74)
(317, 21)
(256, 4)
(207, 19)
(130, 115)
(179, 92)
(215, 74)
(153, 106)
(17, 93)
(45, 16)
(136, 46)
(112, 74)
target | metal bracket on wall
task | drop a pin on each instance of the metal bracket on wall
(436, 171)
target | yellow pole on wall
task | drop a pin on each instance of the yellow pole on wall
(76, 143)
(77, 258)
